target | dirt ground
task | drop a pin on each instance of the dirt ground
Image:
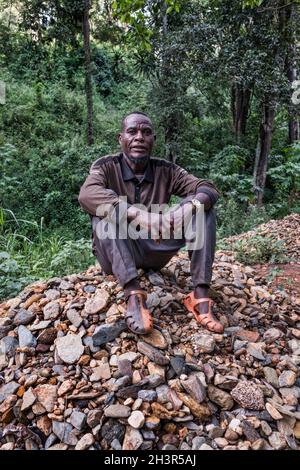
(280, 276)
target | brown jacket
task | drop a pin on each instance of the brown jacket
(111, 177)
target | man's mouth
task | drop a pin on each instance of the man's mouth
(140, 149)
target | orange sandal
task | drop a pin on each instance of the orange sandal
(205, 319)
(138, 317)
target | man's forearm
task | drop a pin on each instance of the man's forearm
(212, 194)
(204, 199)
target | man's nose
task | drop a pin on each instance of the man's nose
(139, 135)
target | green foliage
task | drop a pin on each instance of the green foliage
(227, 169)
(43, 156)
(24, 260)
(252, 3)
(284, 175)
(260, 249)
(231, 160)
(234, 217)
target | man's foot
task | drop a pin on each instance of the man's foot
(201, 307)
(138, 317)
(201, 292)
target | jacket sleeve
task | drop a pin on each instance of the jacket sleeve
(185, 184)
(94, 194)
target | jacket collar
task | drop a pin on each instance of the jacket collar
(128, 174)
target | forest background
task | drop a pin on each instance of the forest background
(218, 77)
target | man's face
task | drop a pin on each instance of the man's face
(137, 137)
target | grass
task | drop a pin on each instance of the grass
(42, 256)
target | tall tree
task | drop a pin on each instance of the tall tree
(64, 25)
(240, 105)
(153, 24)
(292, 19)
(274, 88)
(88, 72)
(254, 40)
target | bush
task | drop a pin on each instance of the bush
(234, 217)
(48, 254)
(260, 249)
(227, 170)
(284, 177)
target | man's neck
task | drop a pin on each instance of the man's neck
(138, 166)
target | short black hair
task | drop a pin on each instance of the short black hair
(129, 114)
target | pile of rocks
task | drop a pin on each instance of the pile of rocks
(73, 377)
(287, 230)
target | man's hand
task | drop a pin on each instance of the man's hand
(149, 221)
(175, 219)
(183, 212)
(165, 225)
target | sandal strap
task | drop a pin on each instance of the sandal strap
(136, 291)
(204, 319)
(204, 299)
(196, 301)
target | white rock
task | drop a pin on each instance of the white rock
(74, 317)
(136, 419)
(65, 387)
(130, 356)
(101, 372)
(114, 360)
(51, 310)
(133, 439)
(117, 411)
(205, 342)
(7, 446)
(69, 348)
(46, 395)
(277, 441)
(97, 302)
(205, 447)
(28, 399)
(287, 378)
(85, 442)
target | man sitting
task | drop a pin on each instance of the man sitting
(149, 181)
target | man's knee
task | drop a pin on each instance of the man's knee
(104, 262)
(102, 249)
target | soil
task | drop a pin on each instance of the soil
(281, 276)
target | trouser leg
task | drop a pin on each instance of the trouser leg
(115, 256)
(122, 257)
(202, 259)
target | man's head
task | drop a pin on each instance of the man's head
(137, 136)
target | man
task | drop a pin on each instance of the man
(133, 173)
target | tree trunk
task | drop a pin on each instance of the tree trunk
(240, 102)
(291, 19)
(266, 130)
(292, 109)
(88, 72)
(168, 93)
(257, 154)
(171, 136)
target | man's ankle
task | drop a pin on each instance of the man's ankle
(131, 285)
(201, 291)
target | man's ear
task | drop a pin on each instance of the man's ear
(120, 138)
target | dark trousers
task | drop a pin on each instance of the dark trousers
(122, 257)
